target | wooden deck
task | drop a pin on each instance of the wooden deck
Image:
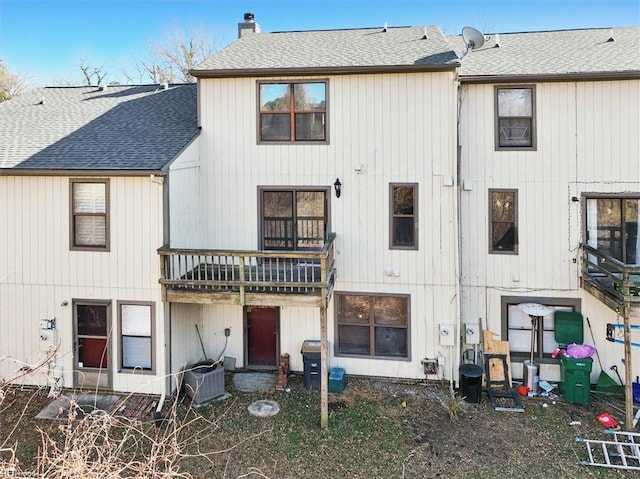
(248, 277)
(614, 283)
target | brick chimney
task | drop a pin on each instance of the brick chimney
(248, 26)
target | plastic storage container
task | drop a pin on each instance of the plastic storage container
(311, 359)
(471, 382)
(635, 390)
(574, 373)
(574, 376)
(337, 380)
(569, 328)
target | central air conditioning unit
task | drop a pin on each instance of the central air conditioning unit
(204, 381)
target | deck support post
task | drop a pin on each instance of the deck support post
(324, 372)
(628, 388)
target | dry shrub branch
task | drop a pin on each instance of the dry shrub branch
(105, 446)
(101, 445)
(452, 405)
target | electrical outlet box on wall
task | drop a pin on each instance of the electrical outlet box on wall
(48, 339)
(430, 366)
(447, 335)
(472, 333)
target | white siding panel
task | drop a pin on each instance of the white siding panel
(296, 326)
(235, 165)
(185, 347)
(184, 202)
(587, 141)
(400, 128)
(40, 276)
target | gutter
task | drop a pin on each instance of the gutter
(102, 172)
(560, 77)
(307, 71)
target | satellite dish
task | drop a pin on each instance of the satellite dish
(472, 38)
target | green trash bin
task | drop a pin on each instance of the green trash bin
(574, 379)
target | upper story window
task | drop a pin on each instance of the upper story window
(293, 219)
(515, 118)
(503, 221)
(90, 214)
(404, 216)
(292, 112)
(612, 227)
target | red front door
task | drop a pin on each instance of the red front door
(262, 336)
(92, 324)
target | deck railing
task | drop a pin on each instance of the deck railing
(234, 271)
(612, 277)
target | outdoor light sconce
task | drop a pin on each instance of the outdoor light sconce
(338, 186)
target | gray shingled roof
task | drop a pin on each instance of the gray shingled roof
(83, 128)
(563, 52)
(358, 48)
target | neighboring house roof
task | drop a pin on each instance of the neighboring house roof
(332, 51)
(562, 53)
(87, 128)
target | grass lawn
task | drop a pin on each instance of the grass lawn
(377, 429)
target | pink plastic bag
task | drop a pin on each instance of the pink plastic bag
(580, 351)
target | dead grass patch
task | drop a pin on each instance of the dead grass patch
(377, 428)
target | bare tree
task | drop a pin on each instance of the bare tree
(172, 60)
(92, 74)
(11, 84)
(149, 71)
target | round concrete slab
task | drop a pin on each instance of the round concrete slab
(263, 408)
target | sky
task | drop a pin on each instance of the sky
(46, 41)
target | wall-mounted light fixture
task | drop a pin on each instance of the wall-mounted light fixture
(575, 199)
(338, 186)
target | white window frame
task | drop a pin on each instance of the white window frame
(129, 333)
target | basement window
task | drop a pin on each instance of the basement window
(372, 325)
(517, 327)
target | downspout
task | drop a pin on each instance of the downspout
(158, 414)
(456, 226)
(163, 182)
(168, 345)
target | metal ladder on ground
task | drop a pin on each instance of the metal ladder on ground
(622, 452)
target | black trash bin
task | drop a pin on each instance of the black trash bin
(311, 358)
(471, 382)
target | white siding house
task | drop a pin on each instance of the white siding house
(375, 189)
(386, 105)
(583, 89)
(82, 213)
